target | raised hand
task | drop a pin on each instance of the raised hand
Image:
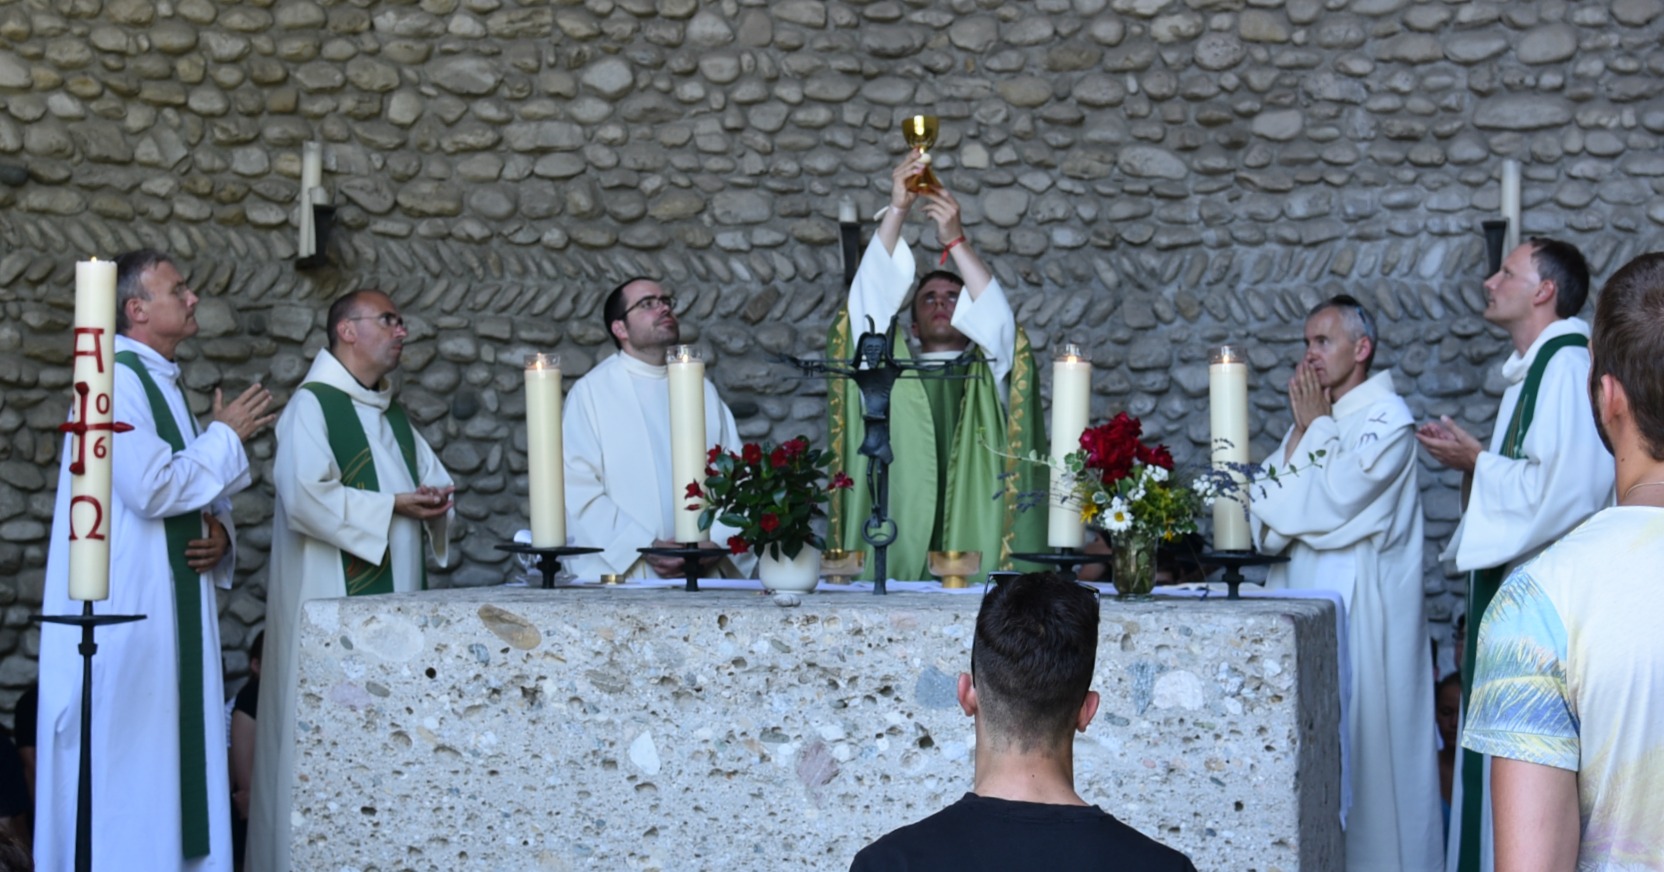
(1449, 444)
(246, 414)
(901, 199)
(941, 207)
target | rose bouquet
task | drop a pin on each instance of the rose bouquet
(770, 494)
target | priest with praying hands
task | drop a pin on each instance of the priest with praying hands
(1350, 521)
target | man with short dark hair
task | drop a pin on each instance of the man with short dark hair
(161, 795)
(616, 434)
(1029, 692)
(957, 481)
(358, 492)
(1545, 470)
(1350, 521)
(1568, 694)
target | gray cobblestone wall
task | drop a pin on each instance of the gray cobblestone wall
(1147, 176)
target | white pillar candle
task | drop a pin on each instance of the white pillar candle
(545, 458)
(846, 211)
(311, 166)
(311, 181)
(93, 410)
(1228, 411)
(1071, 409)
(1511, 204)
(687, 437)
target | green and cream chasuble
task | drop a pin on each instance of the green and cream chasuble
(956, 482)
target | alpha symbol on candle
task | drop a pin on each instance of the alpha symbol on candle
(97, 531)
(96, 352)
(79, 428)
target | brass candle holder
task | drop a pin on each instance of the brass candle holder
(839, 565)
(955, 568)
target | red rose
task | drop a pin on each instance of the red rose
(736, 545)
(753, 453)
(713, 454)
(1157, 456)
(797, 446)
(1111, 448)
(778, 457)
(769, 522)
(839, 480)
(693, 490)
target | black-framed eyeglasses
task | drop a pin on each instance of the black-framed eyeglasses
(389, 320)
(653, 304)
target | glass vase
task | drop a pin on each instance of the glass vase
(1133, 565)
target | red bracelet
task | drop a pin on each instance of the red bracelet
(948, 248)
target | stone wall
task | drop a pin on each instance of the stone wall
(1146, 176)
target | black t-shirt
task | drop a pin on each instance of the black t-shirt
(979, 832)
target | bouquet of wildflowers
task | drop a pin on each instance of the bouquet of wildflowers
(1124, 485)
(771, 494)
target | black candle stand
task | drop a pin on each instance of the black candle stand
(1233, 561)
(691, 554)
(548, 559)
(88, 622)
(1065, 559)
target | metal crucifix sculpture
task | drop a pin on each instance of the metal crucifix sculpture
(874, 369)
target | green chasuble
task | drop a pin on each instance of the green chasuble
(187, 607)
(351, 447)
(1482, 587)
(952, 485)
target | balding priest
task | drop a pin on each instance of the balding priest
(359, 491)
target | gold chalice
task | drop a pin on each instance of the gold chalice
(839, 565)
(920, 133)
(954, 567)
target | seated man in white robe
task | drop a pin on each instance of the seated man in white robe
(358, 492)
(1544, 472)
(161, 797)
(616, 429)
(1351, 522)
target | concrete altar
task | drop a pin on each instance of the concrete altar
(515, 729)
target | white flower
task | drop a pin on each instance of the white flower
(1157, 473)
(1137, 492)
(1118, 517)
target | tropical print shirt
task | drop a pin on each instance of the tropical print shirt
(1571, 675)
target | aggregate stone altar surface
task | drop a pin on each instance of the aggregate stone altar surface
(497, 729)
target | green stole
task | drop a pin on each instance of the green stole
(358, 470)
(1482, 587)
(956, 425)
(181, 529)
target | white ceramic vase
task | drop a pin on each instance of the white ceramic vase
(798, 576)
